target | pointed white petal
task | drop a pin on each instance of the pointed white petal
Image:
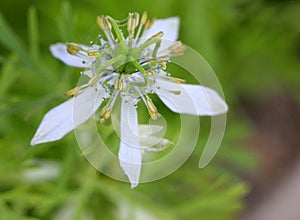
(160, 145)
(193, 99)
(146, 130)
(65, 117)
(150, 135)
(59, 50)
(130, 153)
(170, 27)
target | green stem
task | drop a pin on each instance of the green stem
(116, 28)
(140, 68)
(111, 62)
(157, 45)
(148, 43)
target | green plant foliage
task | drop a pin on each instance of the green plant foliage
(252, 45)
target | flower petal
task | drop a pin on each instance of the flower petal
(68, 115)
(160, 144)
(170, 27)
(59, 50)
(130, 153)
(150, 135)
(146, 130)
(193, 99)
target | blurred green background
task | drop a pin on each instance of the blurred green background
(254, 48)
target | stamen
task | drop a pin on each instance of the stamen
(151, 108)
(133, 22)
(174, 79)
(177, 80)
(76, 91)
(163, 59)
(104, 24)
(150, 23)
(175, 92)
(144, 18)
(73, 48)
(72, 92)
(143, 22)
(160, 59)
(118, 85)
(105, 114)
(176, 49)
(93, 53)
(94, 80)
(136, 18)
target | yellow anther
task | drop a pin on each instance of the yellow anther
(176, 92)
(101, 120)
(178, 80)
(103, 23)
(144, 18)
(163, 59)
(105, 114)
(100, 22)
(93, 53)
(151, 72)
(150, 23)
(136, 18)
(176, 44)
(129, 23)
(179, 51)
(72, 92)
(116, 84)
(133, 22)
(158, 35)
(120, 86)
(177, 48)
(73, 48)
(154, 115)
(152, 109)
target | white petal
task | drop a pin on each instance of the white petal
(59, 50)
(150, 135)
(146, 130)
(68, 115)
(130, 153)
(161, 144)
(170, 27)
(193, 99)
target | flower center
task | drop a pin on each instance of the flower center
(125, 65)
(128, 58)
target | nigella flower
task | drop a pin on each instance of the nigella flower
(130, 63)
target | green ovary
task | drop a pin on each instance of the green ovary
(126, 65)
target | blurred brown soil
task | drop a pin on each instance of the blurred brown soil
(275, 141)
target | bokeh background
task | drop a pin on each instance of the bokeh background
(254, 48)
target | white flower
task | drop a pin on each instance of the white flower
(130, 66)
